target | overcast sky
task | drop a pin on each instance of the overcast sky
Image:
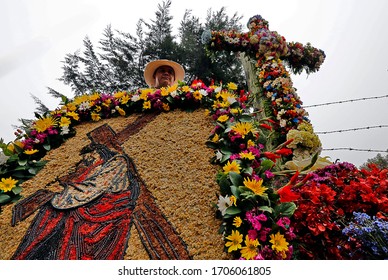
(36, 35)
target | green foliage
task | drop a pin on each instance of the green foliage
(118, 62)
(379, 160)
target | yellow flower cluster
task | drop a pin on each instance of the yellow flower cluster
(8, 184)
(303, 137)
(243, 128)
(250, 250)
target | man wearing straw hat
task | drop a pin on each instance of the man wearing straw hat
(163, 73)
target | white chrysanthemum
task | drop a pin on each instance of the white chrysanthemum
(3, 158)
(218, 155)
(217, 89)
(65, 130)
(203, 92)
(84, 106)
(174, 93)
(223, 204)
(231, 100)
(135, 98)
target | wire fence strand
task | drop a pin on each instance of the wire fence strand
(356, 149)
(352, 129)
(345, 101)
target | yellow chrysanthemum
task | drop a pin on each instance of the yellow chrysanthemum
(231, 167)
(166, 107)
(71, 107)
(222, 118)
(237, 222)
(235, 240)
(31, 151)
(95, 116)
(97, 109)
(94, 96)
(232, 86)
(197, 95)
(226, 96)
(164, 91)
(64, 121)
(172, 88)
(218, 105)
(236, 111)
(250, 143)
(144, 93)
(147, 105)
(215, 138)
(43, 124)
(255, 185)
(207, 112)
(8, 184)
(185, 88)
(125, 99)
(121, 111)
(73, 115)
(249, 251)
(247, 155)
(233, 199)
(107, 102)
(11, 146)
(243, 128)
(81, 99)
(119, 94)
(279, 243)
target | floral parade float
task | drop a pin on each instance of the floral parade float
(276, 197)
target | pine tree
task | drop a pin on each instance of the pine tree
(119, 60)
(160, 42)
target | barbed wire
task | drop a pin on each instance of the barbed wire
(352, 129)
(345, 101)
(356, 149)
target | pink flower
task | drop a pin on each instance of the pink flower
(283, 222)
(252, 234)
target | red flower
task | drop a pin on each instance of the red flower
(266, 126)
(287, 195)
(284, 152)
(271, 156)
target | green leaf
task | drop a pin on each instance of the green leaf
(266, 208)
(235, 191)
(266, 164)
(22, 162)
(40, 163)
(285, 209)
(21, 175)
(32, 170)
(17, 190)
(236, 179)
(47, 147)
(224, 184)
(245, 118)
(23, 167)
(226, 156)
(64, 99)
(313, 161)
(4, 198)
(232, 210)
(211, 145)
(248, 170)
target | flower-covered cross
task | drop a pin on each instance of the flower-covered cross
(265, 54)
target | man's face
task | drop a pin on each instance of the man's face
(164, 76)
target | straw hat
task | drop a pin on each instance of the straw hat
(153, 65)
